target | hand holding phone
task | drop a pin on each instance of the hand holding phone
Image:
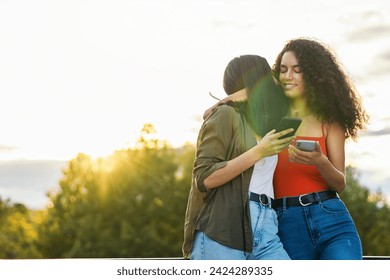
(287, 123)
(306, 145)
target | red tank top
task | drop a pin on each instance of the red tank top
(293, 179)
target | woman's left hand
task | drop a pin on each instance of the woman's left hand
(315, 157)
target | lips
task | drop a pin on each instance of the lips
(289, 85)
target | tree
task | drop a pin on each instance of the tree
(70, 210)
(18, 231)
(371, 213)
(130, 204)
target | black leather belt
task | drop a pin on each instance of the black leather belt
(305, 199)
(261, 198)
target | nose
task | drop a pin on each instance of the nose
(288, 74)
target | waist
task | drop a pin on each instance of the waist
(284, 188)
(292, 179)
(263, 199)
(304, 199)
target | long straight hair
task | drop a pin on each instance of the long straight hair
(266, 103)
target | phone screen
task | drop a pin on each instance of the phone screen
(306, 145)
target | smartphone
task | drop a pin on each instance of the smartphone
(286, 123)
(305, 145)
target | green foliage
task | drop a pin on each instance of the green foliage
(132, 204)
(128, 205)
(18, 231)
(371, 213)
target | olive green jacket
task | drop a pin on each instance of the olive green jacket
(221, 213)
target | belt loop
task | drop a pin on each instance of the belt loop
(284, 203)
(317, 197)
(270, 201)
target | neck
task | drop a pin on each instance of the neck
(299, 108)
(240, 95)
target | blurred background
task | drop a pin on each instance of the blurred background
(102, 102)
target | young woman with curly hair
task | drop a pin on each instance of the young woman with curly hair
(313, 222)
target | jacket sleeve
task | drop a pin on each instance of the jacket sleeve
(213, 144)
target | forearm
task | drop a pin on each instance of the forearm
(232, 169)
(332, 176)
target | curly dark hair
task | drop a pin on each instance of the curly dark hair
(330, 93)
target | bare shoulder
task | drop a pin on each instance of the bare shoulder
(334, 129)
(335, 139)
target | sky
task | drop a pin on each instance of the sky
(85, 76)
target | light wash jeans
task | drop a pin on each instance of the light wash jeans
(322, 231)
(266, 242)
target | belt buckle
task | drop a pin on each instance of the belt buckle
(300, 200)
(261, 196)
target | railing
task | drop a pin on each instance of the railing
(181, 258)
(376, 257)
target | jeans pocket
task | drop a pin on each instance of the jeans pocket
(334, 206)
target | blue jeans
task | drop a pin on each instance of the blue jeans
(322, 231)
(266, 242)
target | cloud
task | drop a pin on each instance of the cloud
(375, 183)
(369, 33)
(381, 64)
(28, 181)
(7, 148)
(385, 56)
(366, 25)
(380, 132)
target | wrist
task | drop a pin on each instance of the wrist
(323, 161)
(257, 154)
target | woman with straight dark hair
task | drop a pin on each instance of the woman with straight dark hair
(229, 214)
